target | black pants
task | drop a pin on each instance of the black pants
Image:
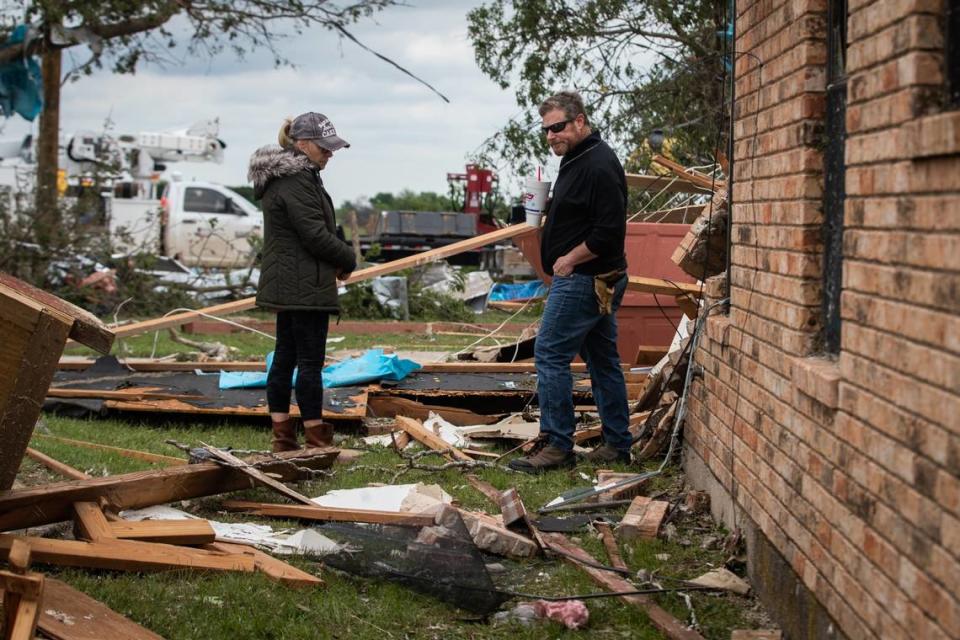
(301, 344)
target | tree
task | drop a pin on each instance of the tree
(640, 65)
(124, 33)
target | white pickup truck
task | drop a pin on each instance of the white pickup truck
(201, 224)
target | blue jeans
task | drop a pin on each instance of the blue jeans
(572, 324)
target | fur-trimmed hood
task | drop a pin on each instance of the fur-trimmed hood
(272, 161)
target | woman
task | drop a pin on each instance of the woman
(302, 260)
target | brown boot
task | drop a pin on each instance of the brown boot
(320, 435)
(543, 457)
(285, 435)
(605, 454)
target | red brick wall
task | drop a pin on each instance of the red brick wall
(848, 465)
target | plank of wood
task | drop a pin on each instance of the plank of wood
(360, 275)
(85, 327)
(650, 354)
(179, 407)
(125, 555)
(146, 456)
(697, 178)
(186, 532)
(55, 465)
(22, 610)
(688, 306)
(666, 623)
(332, 514)
(643, 519)
(273, 568)
(484, 487)
(662, 287)
(68, 614)
(390, 406)
(149, 365)
(91, 524)
(418, 432)
(245, 467)
(132, 394)
(610, 544)
(28, 361)
(54, 502)
(664, 184)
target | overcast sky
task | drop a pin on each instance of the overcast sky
(402, 134)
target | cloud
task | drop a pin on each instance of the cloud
(402, 135)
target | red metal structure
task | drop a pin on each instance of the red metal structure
(479, 183)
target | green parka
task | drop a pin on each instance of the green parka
(301, 251)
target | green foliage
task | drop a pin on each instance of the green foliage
(407, 200)
(640, 66)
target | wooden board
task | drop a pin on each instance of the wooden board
(418, 432)
(701, 180)
(131, 394)
(259, 476)
(28, 360)
(149, 365)
(88, 619)
(387, 268)
(662, 287)
(54, 502)
(125, 555)
(273, 568)
(382, 406)
(666, 623)
(664, 184)
(188, 532)
(91, 524)
(610, 544)
(85, 327)
(146, 456)
(332, 514)
(56, 466)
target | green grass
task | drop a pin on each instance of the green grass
(238, 606)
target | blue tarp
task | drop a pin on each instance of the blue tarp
(21, 84)
(373, 365)
(517, 291)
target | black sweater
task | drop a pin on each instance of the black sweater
(589, 205)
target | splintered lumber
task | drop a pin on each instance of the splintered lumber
(610, 544)
(54, 502)
(68, 614)
(85, 327)
(188, 532)
(643, 519)
(273, 568)
(55, 465)
(333, 514)
(418, 432)
(245, 467)
(383, 406)
(664, 184)
(129, 395)
(360, 275)
(666, 623)
(697, 178)
(92, 525)
(662, 287)
(484, 487)
(22, 591)
(125, 555)
(146, 456)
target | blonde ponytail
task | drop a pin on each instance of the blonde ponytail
(283, 138)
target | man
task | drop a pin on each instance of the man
(581, 246)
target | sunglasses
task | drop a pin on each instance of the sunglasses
(556, 127)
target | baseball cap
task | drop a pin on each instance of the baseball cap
(317, 127)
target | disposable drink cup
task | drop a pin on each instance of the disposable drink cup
(535, 199)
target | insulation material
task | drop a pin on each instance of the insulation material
(407, 498)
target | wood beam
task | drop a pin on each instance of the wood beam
(68, 614)
(332, 514)
(56, 466)
(386, 268)
(54, 502)
(260, 477)
(662, 287)
(91, 524)
(697, 178)
(418, 432)
(145, 456)
(186, 532)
